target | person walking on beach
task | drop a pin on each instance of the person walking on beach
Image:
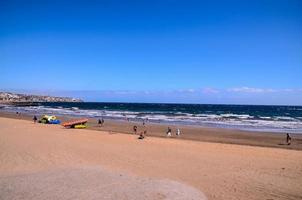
(288, 139)
(135, 129)
(169, 132)
(35, 119)
(100, 122)
(177, 132)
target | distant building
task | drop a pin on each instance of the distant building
(11, 97)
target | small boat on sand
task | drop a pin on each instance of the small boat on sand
(78, 123)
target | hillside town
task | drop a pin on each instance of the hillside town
(8, 97)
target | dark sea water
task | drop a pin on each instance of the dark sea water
(245, 117)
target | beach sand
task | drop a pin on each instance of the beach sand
(49, 162)
(188, 132)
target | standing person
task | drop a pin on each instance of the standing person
(135, 129)
(288, 139)
(100, 122)
(177, 132)
(35, 119)
(103, 121)
(169, 132)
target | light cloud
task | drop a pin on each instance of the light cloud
(291, 90)
(261, 90)
(251, 90)
(210, 91)
(184, 91)
(191, 90)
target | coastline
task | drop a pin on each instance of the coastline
(255, 118)
(188, 132)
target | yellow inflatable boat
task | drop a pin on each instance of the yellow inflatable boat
(79, 126)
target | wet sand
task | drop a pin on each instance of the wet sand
(49, 162)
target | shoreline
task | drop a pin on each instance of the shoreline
(188, 132)
(251, 118)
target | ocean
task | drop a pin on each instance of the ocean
(243, 117)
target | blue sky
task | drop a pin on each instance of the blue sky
(246, 52)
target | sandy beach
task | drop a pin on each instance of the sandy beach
(49, 162)
(188, 132)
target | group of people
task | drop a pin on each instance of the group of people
(142, 134)
(169, 132)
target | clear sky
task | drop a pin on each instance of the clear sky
(246, 52)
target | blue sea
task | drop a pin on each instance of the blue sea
(243, 117)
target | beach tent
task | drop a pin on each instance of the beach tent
(49, 119)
